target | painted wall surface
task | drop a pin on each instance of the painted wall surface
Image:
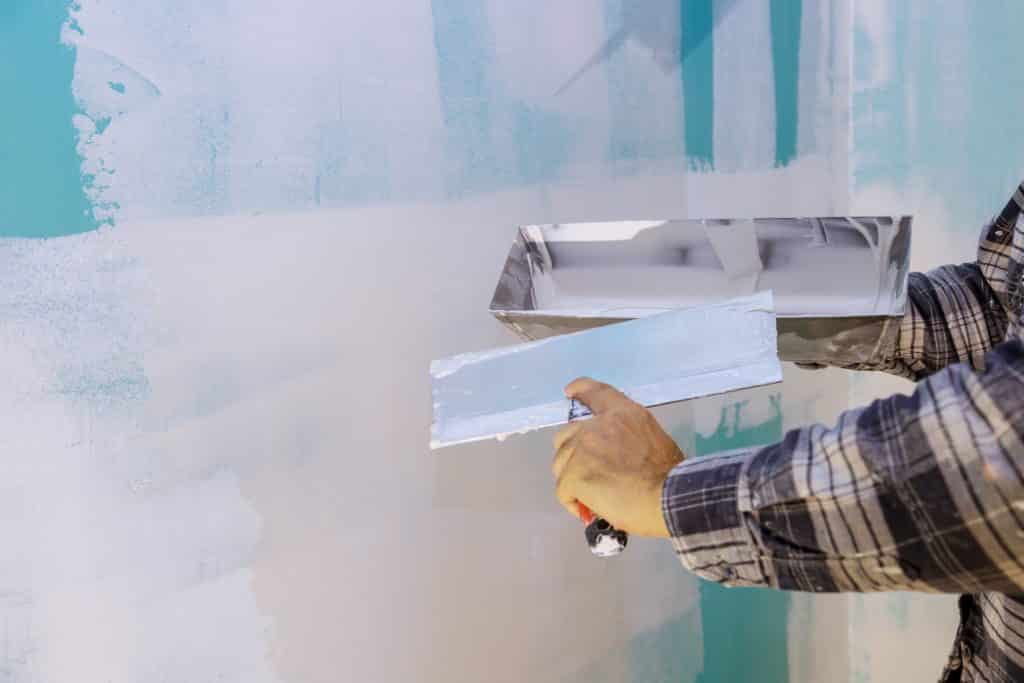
(266, 219)
(933, 134)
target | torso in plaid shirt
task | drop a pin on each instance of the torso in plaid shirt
(920, 493)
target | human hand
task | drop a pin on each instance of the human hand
(615, 463)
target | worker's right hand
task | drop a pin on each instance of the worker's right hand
(615, 463)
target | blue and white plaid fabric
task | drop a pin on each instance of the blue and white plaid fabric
(920, 493)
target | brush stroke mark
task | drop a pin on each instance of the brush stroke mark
(785, 28)
(933, 108)
(42, 190)
(465, 66)
(879, 117)
(542, 142)
(105, 86)
(656, 26)
(668, 653)
(752, 621)
(492, 139)
(697, 56)
(636, 106)
(609, 48)
(105, 89)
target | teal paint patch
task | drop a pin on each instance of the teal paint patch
(106, 382)
(42, 190)
(879, 113)
(786, 16)
(744, 632)
(478, 111)
(744, 629)
(634, 134)
(117, 87)
(465, 66)
(697, 57)
(668, 653)
(989, 164)
(542, 143)
(353, 164)
(937, 105)
(731, 434)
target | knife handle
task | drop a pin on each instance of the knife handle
(603, 539)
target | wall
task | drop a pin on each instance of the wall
(934, 134)
(235, 234)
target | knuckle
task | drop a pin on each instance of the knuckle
(617, 420)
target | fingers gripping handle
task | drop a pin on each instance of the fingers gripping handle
(603, 539)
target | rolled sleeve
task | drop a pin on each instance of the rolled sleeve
(706, 505)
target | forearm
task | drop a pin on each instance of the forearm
(910, 493)
(952, 316)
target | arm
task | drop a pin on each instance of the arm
(954, 313)
(921, 493)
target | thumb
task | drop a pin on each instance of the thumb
(597, 396)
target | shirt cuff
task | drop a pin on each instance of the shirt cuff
(707, 509)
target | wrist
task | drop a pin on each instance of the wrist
(657, 526)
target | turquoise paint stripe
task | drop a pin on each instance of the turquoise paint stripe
(697, 56)
(751, 621)
(744, 633)
(785, 31)
(42, 191)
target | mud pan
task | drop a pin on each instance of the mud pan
(839, 283)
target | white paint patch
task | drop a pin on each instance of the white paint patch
(116, 571)
(257, 503)
(232, 512)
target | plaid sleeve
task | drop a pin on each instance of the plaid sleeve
(919, 492)
(955, 314)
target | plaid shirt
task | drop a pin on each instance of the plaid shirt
(920, 493)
